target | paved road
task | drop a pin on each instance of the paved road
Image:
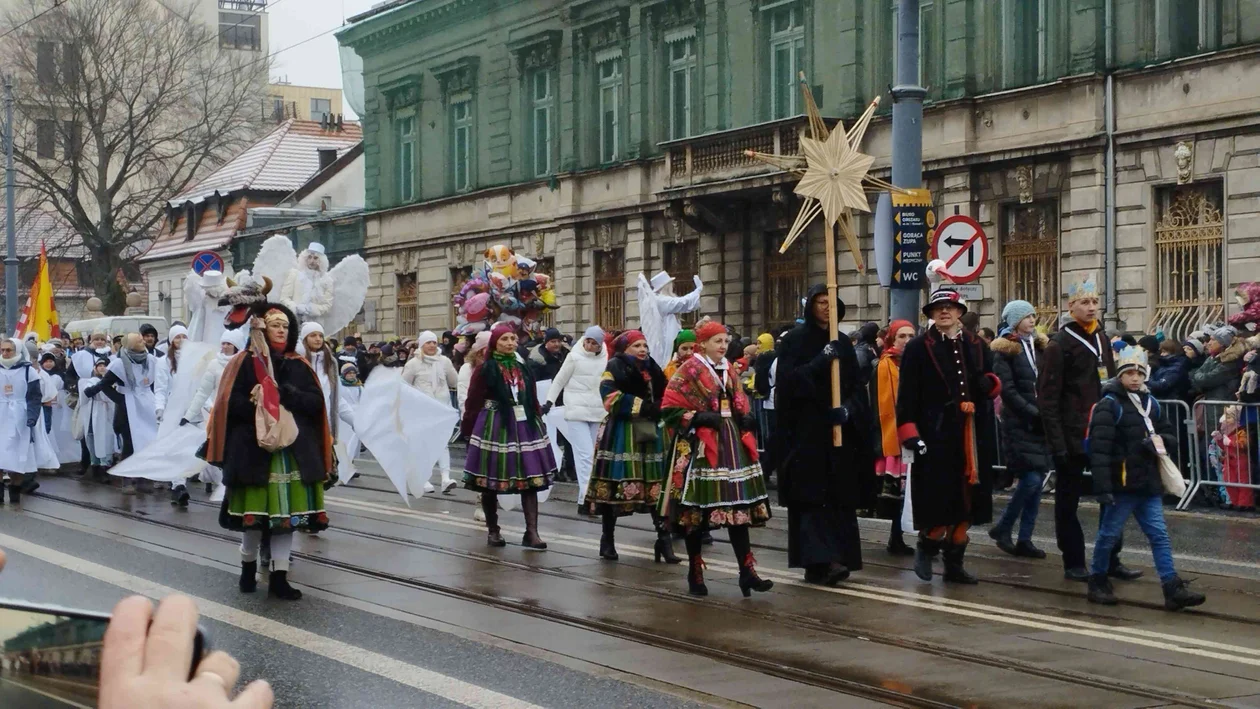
(18, 693)
(407, 607)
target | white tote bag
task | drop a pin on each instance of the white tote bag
(907, 505)
(1169, 474)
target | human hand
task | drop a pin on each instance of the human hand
(916, 444)
(257, 323)
(748, 422)
(706, 419)
(147, 665)
(696, 280)
(650, 411)
(30, 422)
(183, 422)
(1105, 498)
(1251, 354)
(546, 408)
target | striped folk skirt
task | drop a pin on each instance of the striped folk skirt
(731, 493)
(627, 476)
(284, 504)
(507, 456)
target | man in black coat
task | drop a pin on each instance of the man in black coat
(943, 417)
(1076, 363)
(819, 482)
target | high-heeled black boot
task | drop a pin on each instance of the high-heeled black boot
(278, 587)
(249, 576)
(490, 507)
(749, 581)
(529, 505)
(607, 546)
(695, 569)
(664, 547)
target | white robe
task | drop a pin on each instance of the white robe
(141, 405)
(206, 316)
(309, 294)
(62, 434)
(96, 420)
(26, 450)
(658, 317)
(349, 401)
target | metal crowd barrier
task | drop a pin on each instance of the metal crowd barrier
(1227, 460)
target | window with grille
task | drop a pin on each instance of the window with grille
(405, 298)
(405, 128)
(681, 69)
(787, 58)
(610, 110)
(1030, 258)
(682, 261)
(542, 99)
(787, 279)
(461, 144)
(1189, 259)
(610, 289)
(459, 276)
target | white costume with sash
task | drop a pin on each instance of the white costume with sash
(139, 399)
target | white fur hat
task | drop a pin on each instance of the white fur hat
(308, 328)
(176, 331)
(235, 337)
(426, 337)
(660, 280)
(316, 247)
(212, 278)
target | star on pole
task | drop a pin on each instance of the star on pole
(834, 177)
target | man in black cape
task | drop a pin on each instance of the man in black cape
(818, 482)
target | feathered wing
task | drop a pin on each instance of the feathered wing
(350, 284)
(650, 323)
(275, 259)
(193, 292)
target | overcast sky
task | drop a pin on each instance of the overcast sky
(292, 21)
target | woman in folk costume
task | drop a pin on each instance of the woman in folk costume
(821, 483)
(167, 367)
(714, 479)
(22, 438)
(96, 421)
(128, 382)
(579, 381)
(884, 389)
(273, 491)
(946, 381)
(508, 449)
(433, 374)
(630, 456)
(684, 346)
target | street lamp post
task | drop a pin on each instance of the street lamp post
(907, 134)
(11, 259)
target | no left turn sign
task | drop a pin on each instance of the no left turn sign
(960, 242)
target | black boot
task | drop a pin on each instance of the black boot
(607, 546)
(1177, 595)
(15, 494)
(249, 576)
(1028, 551)
(99, 474)
(531, 540)
(923, 556)
(897, 545)
(1122, 572)
(664, 548)
(179, 496)
(749, 581)
(278, 587)
(954, 571)
(490, 507)
(695, 569)
(1003, 540)
(1100, 590)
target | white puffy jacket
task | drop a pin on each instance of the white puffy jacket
(433, 375)
(579, 381)
(207, 388)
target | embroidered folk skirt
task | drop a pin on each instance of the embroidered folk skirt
(627, 476)
(284, 504)
(507, 456)
(731, 493)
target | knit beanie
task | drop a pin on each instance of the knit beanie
(765, 342)
(1150, 343)
(594, 332)
(1225, 335)
(1015, 311)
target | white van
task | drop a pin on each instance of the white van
(113, 325)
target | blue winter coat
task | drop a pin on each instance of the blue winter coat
(1171, 379)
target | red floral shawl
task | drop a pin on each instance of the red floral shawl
(693, 390)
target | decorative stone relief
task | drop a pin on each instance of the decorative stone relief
(609, 33)
(458, 255)
(402, 94)
(537, 52)
(1184, 155)
(540, 244)
(1024, 178)
(457, 76)
(676, 13)
(604, 236)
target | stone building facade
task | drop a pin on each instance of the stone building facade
(605, 138)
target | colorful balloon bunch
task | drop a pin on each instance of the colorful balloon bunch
(505, 288)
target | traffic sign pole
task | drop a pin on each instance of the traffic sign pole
(907, 134)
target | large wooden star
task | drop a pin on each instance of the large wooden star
(834, 175)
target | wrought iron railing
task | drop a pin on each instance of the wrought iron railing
(1189, 263)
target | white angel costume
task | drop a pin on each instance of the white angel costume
(350, 396)
(659, 311)
(96, 421)
(162, 384)
(135, 384)
(201, 299)
(405, 429)
(26, 449)
(62, 433)
(171, 455)
(331, 297)
(340, 415)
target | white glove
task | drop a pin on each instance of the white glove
(697, 281)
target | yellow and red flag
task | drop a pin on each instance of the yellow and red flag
(40, 313)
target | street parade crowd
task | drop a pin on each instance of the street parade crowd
(694, 427)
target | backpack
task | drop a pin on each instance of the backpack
(1089, 424)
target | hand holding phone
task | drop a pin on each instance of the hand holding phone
(146, 658)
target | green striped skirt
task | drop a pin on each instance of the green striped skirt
(729, 494)
(284, 504)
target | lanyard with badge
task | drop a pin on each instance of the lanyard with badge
(724, 400)
(1156, 439)
(1027, 346)
(518, 411)
(1096, 351)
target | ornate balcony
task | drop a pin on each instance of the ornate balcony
(719, 157)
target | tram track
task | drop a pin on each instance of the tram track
(814, 676)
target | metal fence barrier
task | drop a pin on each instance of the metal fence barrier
(1228, 457)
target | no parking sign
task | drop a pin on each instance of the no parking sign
(207, 261)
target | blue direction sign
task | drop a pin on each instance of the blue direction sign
(207, 261)
(913, 223)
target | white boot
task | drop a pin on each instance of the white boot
(447, 483)
(219, 492)
(479, 515)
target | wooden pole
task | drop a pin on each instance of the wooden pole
(833, 326)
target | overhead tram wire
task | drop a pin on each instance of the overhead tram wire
(56, 4)
(312, 38)
(219, 34)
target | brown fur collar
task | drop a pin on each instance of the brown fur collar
(1233, 352)
(1009, 344)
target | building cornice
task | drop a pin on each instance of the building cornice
(420, 17)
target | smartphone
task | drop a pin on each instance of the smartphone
(51, 655)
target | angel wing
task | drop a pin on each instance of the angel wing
(350, 284)
(650, 322)
(193, 292)
(275, 259)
